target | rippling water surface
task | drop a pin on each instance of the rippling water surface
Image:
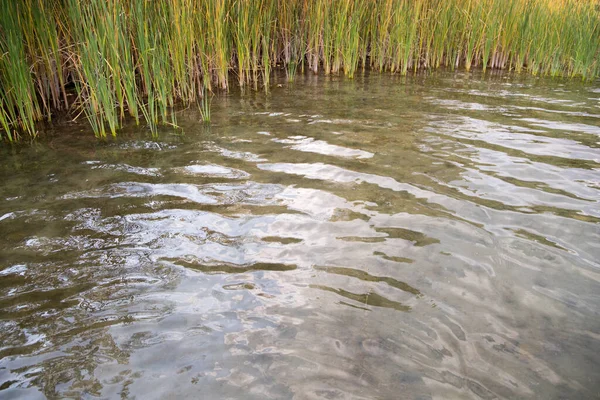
(430, 238)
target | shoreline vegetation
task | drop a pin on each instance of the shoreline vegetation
(115, 59)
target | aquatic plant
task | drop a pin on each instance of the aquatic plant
(116, 59)
(20, 107)
(204, 106)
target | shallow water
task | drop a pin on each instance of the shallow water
(433, 237)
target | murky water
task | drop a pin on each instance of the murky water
(432, 238)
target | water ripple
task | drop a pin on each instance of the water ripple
(436, 236)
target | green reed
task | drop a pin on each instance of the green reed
(267, 20)
(41, 37)
(317, 29)
(20, 107)
(290, 36)
(243, 34)
(216, 23)
(140, 58)
(98, 70)
(204, 106)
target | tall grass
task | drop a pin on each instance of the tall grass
(204, 106)
(116, 59)
(18, 95)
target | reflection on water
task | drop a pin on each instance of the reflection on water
(433, 237)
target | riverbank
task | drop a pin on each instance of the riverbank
(112, 58)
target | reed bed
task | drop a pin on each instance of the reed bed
(115, 59)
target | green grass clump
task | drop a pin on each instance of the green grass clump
(113, 59)
(20, 108)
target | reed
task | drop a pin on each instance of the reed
(138, 59)
(204, 106)
(20, 107)
(98, 73)
(216, 23)
(291, 36)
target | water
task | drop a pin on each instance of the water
(430, 238)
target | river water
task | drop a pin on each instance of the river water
(434, 237)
